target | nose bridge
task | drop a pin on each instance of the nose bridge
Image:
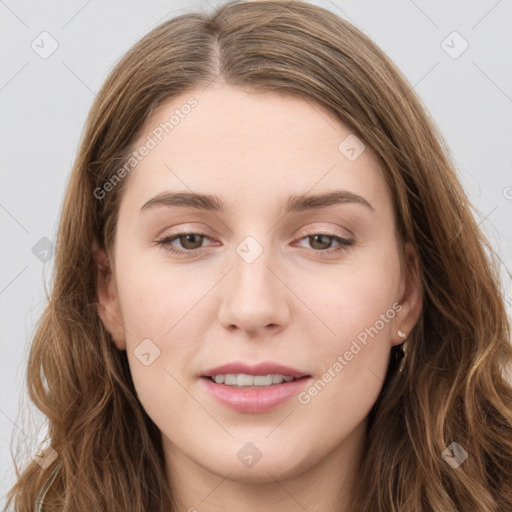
(251, 272)
(254, 298)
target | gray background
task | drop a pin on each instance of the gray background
(44, 102)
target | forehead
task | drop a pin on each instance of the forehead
(250, 145)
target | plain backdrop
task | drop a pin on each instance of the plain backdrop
(55, 55)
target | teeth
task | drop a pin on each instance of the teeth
(244, 380)
(260, 380)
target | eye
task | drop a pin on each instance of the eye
(322, 241)
(192, 242)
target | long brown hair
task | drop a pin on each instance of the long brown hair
(453, 387)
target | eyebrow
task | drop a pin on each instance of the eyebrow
(296, 203)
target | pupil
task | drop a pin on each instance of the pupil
(189, 238)
(315, 237)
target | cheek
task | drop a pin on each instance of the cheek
(156, 298)
(160, 307)
(357, 307)
(353, 359)
(350, 298)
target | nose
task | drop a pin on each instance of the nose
(255, 298)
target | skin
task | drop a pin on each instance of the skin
(290, 305)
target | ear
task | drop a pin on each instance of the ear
(108, 303)
(412, 296)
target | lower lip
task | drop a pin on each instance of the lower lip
(255, 400)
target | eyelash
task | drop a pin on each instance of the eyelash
(166, 241)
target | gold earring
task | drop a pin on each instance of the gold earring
(403, 348)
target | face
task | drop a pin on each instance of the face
(272, 282)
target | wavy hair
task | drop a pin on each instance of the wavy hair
(454, 386)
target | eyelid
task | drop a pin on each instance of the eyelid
(302, 233)
(325, 231)
(343, 242)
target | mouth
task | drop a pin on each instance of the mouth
(242, 373)
(246, 381)
(254, 389)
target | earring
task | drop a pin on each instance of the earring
(403, 348)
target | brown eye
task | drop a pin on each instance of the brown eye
(191, 243)
(320, 242)
(187, 241)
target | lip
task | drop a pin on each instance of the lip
(264, 368)
(254, 400)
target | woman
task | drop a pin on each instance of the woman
(270, 291)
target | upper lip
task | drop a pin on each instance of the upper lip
(264, 368)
